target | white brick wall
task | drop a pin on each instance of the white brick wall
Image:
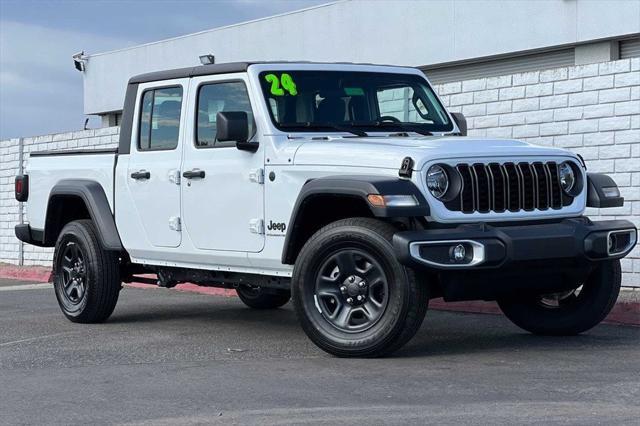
(9, 245)
(593, 110)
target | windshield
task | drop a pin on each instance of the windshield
(352, 101)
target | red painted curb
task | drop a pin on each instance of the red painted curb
(623, 313)
(26, 273)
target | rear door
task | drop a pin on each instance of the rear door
(223, 206)
(153, 171)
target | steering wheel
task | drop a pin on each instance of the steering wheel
(389, 118)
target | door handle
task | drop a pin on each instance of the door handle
(142, 174)
(192, 174)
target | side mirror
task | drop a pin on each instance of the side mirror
(458, 117)
(234, 126)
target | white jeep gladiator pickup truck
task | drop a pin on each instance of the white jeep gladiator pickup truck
(347, 187)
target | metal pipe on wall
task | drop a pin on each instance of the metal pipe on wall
(20, 206)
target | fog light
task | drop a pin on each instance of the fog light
(448, 253)
(458, 253)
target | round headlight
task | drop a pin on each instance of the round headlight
(567, 177)
(437, 181)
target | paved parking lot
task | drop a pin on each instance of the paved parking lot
(169, 357)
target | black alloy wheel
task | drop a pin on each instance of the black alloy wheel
(351, 290)
(352, 296)
(74, 274)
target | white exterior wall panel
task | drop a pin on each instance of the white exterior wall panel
(415, 33)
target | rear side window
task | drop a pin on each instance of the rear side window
(218, 97)
(160, 119)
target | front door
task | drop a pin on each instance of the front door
(223, 189)
(153, 170)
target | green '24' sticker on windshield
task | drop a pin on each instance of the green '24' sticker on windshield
(279, 85)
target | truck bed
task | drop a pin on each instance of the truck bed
(48, 168)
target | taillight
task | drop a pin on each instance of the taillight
(22, 187)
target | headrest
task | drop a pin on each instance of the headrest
(170, 108)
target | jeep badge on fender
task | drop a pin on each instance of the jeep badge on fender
(276, 226)
(388, 204)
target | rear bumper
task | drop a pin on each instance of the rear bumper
(29, 235)
(488, 246)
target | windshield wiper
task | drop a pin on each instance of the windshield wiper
(334, 126)
(416, 128)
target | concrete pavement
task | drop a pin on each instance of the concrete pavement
(168, 357)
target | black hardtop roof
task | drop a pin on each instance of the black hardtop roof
(224, 68)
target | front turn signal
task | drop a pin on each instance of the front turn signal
(378, 200)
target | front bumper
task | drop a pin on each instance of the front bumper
(503, 261)
(488, 246)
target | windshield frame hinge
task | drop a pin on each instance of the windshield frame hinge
(406, 168)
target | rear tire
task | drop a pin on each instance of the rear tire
(568, 313)
(258, 298)
(86, 277)
(352, 296)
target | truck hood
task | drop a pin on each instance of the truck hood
(385, 152)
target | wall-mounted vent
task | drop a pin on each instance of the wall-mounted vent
(630, 48)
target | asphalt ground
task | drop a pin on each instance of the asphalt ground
(169, 357)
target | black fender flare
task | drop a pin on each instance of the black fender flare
(358, 186)
(595, 194)
(95, 199)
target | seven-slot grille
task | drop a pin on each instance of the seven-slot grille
(508, 186)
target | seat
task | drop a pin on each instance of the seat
(331, 110)
(358, 109)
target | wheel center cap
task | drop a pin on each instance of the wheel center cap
(353, 289)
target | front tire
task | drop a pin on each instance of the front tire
(568, 313)
(352, 296)
(86, 277)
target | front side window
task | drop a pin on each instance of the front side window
(342, 100)
(160, 119)
(220, 97)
